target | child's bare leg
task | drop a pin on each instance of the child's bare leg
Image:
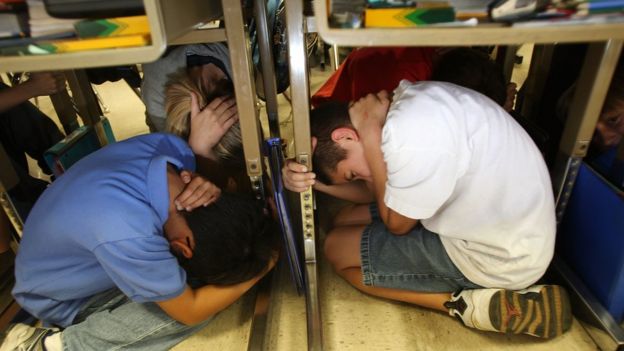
(540, 310)
(353, 215)
(342, 248)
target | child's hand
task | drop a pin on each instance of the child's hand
(273, 261)
(197, 192)
(210, 124)
(296, 176)
(45, 83)
(369, 112)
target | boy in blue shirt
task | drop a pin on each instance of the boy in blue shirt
(109, 248)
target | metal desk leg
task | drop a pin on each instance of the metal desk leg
(509, 61)
(303, 151)
(595, 78)
(64, 107)
(84, 97)
(86, 102)
(535, 82)
(240, 58)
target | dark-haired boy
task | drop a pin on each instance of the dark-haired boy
(462, 203)
(99, 255)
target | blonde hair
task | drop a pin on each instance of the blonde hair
(178, 108)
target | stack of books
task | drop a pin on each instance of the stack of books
(84, 35)
(42, 25)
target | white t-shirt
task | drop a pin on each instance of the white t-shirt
(462, 166)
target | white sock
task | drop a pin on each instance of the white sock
(53, 342)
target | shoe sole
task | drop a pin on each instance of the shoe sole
(543, 311)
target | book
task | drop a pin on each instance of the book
(66, 46)
(112, 27)
(424, 13)
(24, 41)
(41, 24)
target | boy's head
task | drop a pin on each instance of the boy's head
(229, 150)
(473, 69)
(610, 126)
(234, 241)
(338, 153)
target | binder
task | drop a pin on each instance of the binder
(291, 244)
(75, 146)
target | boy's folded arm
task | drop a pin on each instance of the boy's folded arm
(397, 223)
(356, 191)
(194, 306)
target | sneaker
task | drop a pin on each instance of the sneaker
(22, 337)
(541, 310)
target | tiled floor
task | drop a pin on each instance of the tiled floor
(351, 320)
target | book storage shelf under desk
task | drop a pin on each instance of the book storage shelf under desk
(484, 34)
(168, 21)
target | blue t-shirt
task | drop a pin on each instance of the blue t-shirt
(100, 226)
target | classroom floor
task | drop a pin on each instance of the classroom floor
(351, 320)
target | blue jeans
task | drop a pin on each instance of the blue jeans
(110, 321)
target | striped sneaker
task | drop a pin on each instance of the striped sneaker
(23, 337)
(541, 310)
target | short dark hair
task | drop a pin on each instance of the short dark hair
(323, 121)
(473, 69)
(234, 241)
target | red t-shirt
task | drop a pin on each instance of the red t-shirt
(369, 70)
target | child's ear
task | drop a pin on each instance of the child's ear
(181, 248)
(314, 142)
(344, 133)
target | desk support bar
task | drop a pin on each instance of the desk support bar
(299, 87)
(595, 78)
(242, 69)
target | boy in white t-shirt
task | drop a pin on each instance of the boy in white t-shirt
(462, 202)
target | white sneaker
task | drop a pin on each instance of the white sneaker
(541, 310)
(23, 337)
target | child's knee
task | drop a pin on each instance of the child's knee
(352, 215)
(331, 248)
(342, 247)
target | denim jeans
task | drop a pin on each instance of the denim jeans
(415, 261)
(110, 321)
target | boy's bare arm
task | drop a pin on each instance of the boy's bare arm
(44, 83)
(368, 116)
(196, 305)
(355, 191)
(298, 179)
